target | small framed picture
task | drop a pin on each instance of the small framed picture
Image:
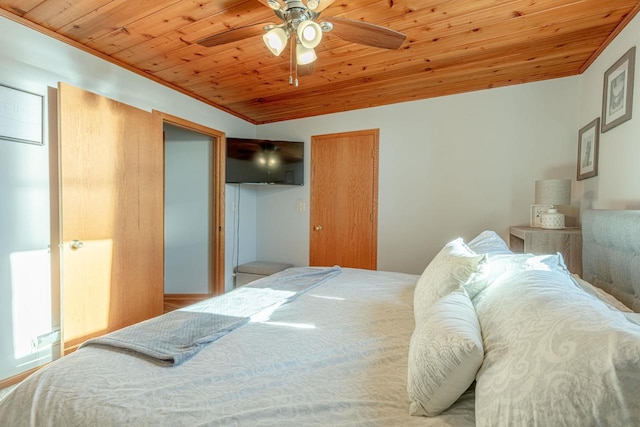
(21, 116)
(588, 143)
(617, 95)
(536, 211)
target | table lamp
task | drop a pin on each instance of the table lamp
(553, 192)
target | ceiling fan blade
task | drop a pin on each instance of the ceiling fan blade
(233, 35)
(305, 70)
(365, 33)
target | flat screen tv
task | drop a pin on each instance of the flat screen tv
(261, 161)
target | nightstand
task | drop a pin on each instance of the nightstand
(539, 241)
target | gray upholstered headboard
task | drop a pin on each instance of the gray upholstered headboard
(611, 253)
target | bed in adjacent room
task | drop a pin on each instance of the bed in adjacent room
(482, 337)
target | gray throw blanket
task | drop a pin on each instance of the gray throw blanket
(177, 336)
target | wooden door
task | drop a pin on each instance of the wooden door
(111, 215)
(344, 199)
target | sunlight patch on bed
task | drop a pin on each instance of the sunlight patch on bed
(291, 325)
(242, 302)
(265, 315)
(257, 303)
(328, 297)
(537, 263)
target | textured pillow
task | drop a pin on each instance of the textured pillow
(450, 268)
(445, 353)
(488, 242)
(497, 265)
(554, 355)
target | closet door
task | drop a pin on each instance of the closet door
(111, 215)
(344, 199)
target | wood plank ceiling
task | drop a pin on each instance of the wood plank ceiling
(452, 46)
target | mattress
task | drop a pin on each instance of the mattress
(335, 355)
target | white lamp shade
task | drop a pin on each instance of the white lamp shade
(553, 192)
(309, 34)
(276, 40)
(305, 55)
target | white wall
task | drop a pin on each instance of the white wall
(617, 185)
(241, 222)
(187, 196)
(25, 285)
(449, 166)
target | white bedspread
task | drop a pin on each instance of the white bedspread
(335, 356)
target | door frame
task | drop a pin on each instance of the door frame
(217, 202)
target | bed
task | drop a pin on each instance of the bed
(482, 337)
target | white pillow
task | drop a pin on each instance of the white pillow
(554, 355)
(445, 353)
(489, 242)
(450, 268)
(497, 265)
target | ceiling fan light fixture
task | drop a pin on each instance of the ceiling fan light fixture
(313, 4)
(274, 4)
(326, 27)
(309, 33)
(305, 55)
(276, 40)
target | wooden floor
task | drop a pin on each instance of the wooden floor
(176, 301)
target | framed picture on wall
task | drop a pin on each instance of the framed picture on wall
(617, 95)
(20, 115)
(588, 144)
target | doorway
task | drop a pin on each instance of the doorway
(344, 199)
(188, 176)
(194, 212)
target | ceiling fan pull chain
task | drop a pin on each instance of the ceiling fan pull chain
(296, 81)
(290, 62)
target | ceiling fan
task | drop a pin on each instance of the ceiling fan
(300, 26)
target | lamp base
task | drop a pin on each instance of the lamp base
(552, 220)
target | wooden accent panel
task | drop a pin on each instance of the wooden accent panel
(111, 199)
(176, 301)
(344, 200)
(452, 46)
